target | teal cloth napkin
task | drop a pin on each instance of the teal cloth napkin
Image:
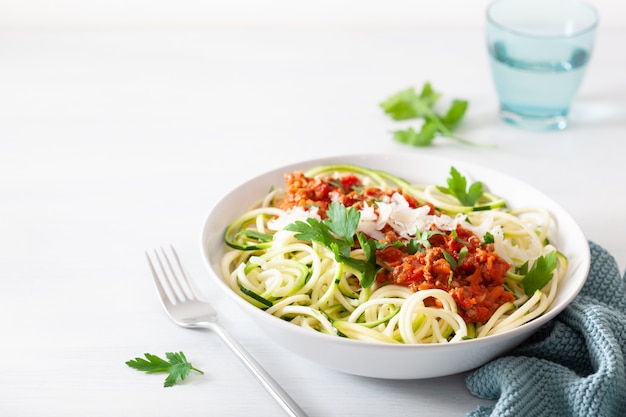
(574, 365)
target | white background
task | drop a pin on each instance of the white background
(252, 13)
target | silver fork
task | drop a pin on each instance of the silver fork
(178, 294)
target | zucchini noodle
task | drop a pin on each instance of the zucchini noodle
(306, 283)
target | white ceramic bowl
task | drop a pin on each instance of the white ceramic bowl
(386, 360)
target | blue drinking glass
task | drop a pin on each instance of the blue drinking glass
(539, 50)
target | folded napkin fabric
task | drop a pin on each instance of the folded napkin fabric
(574, 365)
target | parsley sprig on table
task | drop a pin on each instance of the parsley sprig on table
(408, 104)
(176, 366)
(338, 232)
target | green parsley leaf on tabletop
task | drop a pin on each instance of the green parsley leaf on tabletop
(176, 366)
(408, 104)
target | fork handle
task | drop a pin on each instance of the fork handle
(271, 386)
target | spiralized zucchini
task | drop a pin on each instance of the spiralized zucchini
(303, 283)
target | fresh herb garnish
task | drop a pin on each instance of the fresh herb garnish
(343, 222)
(454, 263)
(522, 269)
(540, 273)
(457, 187)
(456, 237)
(462, 255)
(370, 268)
(422, 237)
(488, 238)
(412, 247)
(176, 366)
(337, 183)
(407, 104)
(338, 232)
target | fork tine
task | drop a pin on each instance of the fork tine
(189, 287)
(164, 292)
(171, 276)
(168, 280)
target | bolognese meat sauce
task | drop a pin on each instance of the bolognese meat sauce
(476, 284)
(303, 191)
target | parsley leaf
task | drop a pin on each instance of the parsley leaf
(455, 113)
(370, 268)
(540, 273)
(457, 187)
(488, 238)
(337, 232)
(176, 366)
(413, 246)
(314, 230)
(522, 270)
(422, 138)
(450, 259)
(407, 104)
(454, 263)
(342, 221)
(422, 238)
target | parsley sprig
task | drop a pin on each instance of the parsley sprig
(408, 104)
(176, 366)
(457, 187)
(539, 274)
(338, 232)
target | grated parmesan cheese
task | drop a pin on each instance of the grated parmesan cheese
(404, 220)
